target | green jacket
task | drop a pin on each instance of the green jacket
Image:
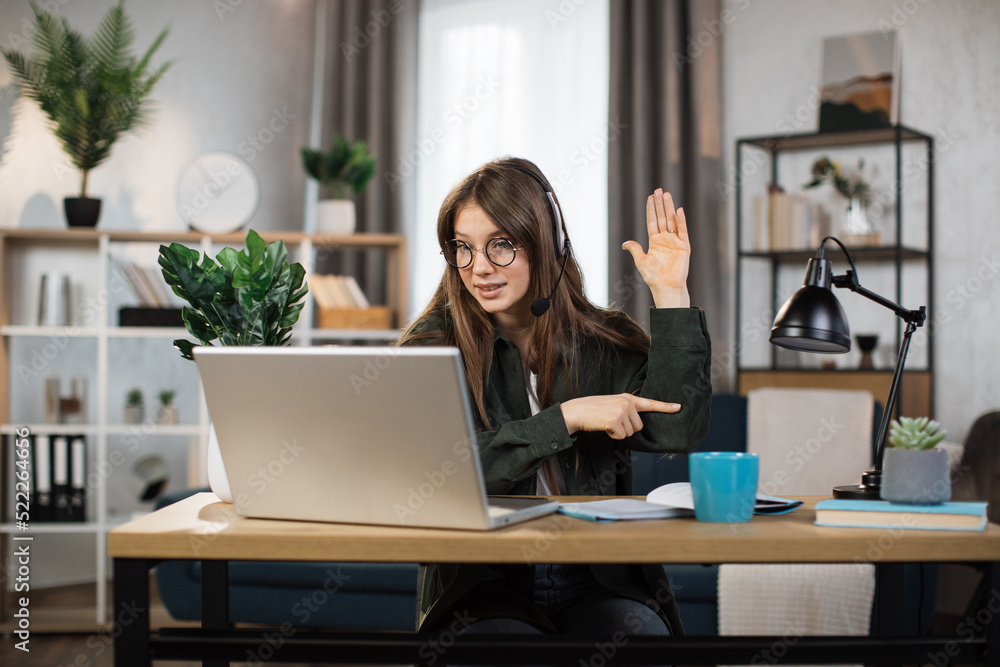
(677, 369)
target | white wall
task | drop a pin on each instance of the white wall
(241, 70)
(950, 89)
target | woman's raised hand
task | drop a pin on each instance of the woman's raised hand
(664, 267)
(617, 415)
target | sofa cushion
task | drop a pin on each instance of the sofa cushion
(348, 577)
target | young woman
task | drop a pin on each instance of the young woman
(561, 394)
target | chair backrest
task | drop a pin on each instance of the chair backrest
(727, 432)
(978, 476)
(809, 440)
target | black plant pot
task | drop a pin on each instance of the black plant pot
(82, 211)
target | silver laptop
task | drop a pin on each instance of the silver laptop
(374, 435)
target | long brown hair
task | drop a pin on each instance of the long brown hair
(519, 207)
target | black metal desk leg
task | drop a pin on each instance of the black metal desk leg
(889, 607)
(993, 606)
(215, 600)
(131, 613)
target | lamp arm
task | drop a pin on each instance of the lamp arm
(883, 428)
(850, 281)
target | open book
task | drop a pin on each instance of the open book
(665, 502)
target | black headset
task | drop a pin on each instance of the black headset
(541, 305)
(560, 240)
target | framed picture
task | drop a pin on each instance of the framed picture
(860, 82)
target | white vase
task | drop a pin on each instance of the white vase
(217, 478)
(335, 216)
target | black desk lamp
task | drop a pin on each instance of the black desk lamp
(813, 321)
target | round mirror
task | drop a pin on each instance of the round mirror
(218, 193)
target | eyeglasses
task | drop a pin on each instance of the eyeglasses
(499, 251)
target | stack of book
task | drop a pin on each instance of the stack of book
(57, 490)
(882, 514)
(342, 304)
(155, 306)
(787, 221)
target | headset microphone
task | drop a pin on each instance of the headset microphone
(541, 305)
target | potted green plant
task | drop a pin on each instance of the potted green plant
(134, 407)
(914, 470)
(92, 91)
(345, 168)
(856, 189)
(166, 413)
(248, 297)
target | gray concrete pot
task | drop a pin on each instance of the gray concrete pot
(916, 476)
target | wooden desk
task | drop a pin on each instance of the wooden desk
(203, 528)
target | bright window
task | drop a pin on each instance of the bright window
(514, 77)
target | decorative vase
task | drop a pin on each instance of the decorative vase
(335, 216)
(858, 228)
(166, 414)
(82, 211)
(134, 414)
(218, 480)
(916, 476)
(866, 343)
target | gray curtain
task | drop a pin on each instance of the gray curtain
(666, 92)
(370, 94)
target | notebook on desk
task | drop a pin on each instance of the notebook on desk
(374, 435)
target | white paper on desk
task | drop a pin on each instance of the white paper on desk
(678, 494)
(621, 509)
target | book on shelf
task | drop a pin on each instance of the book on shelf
(789, 221)
(669, 501)
(41, 467)
(883, 514)
(60, 478)
(148, 284)
(77, 479)
(337, 292)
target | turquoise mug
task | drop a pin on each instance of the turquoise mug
(723, 485)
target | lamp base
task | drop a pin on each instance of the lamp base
(857, 492)
(869, 489)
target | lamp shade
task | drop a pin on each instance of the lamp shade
(812, 321)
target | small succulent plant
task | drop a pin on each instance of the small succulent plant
(167, 397)
(920, 433)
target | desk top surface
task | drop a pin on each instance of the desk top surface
(203, 527)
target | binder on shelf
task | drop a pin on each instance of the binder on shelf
(41, 467)
(77, 479)
(60, 478)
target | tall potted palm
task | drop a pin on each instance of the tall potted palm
(250, 297)
(92, 90)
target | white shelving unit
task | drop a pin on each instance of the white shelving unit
(87, 255)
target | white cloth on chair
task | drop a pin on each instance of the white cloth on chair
(808, 441)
